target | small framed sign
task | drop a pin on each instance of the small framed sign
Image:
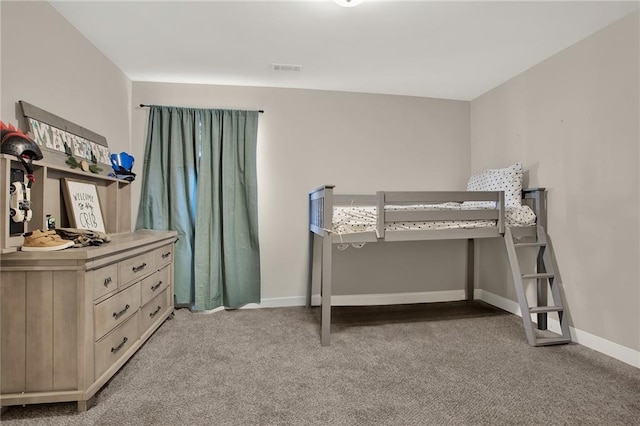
(83, 205)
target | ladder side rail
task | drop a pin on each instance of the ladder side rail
(539, 198)
(520, 291)
(555, 283)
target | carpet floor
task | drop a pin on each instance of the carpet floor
(430, 364)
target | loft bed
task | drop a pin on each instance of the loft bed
(354, 220)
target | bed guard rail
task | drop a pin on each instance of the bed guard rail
(386, 198)
(322, 200)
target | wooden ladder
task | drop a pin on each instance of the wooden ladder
(545, 275)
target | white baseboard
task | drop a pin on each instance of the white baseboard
(365, 299)
(395, 298)
(276, 302)
(607, 347)
(279, 302)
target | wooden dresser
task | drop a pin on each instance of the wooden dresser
(70, 319)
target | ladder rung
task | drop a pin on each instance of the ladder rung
(544, 309)
(531, 276)
(537, 244)
(547, 341)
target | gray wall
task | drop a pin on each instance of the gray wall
(360, 143)
(48, 63)
(573, 121)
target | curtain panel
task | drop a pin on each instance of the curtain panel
(199, 178)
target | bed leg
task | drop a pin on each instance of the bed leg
(470, 269)
(315, 267)
(325, 334)
(310, 281)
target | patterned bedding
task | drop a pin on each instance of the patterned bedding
(350, 219)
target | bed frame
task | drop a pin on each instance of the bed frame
(321, 203)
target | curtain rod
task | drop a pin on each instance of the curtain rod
(147, 106)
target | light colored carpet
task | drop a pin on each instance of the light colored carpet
(432, 364)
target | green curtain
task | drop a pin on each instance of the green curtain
(200, 179)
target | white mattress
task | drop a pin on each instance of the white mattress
(350, 219)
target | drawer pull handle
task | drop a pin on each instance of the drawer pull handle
(155, 287)
(107, 281)
(167, 254)
(138, 268)
(117, 315)
(153, 314)
(117, 348)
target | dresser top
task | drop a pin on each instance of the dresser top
(119, 246)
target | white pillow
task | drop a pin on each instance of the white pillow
(508, 180)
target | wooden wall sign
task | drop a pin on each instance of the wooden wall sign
(55, 134)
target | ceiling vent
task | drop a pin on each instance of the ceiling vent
(286, 67)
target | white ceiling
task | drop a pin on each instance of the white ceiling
(446, 49)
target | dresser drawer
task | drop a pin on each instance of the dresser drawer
(115, 310)
(153, 310)
(103, 280)
(154, 284)
(135, 267)
(163, 255)
(109, 349)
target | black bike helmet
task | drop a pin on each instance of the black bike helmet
(15, 142)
